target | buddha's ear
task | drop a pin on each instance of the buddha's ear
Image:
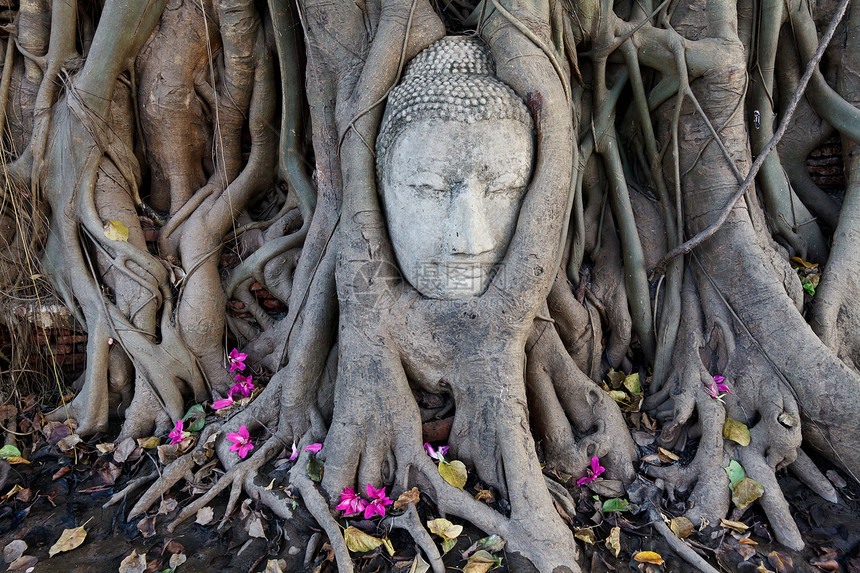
(518, 38)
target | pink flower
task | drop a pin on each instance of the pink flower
(313, 447)
(177, 435)
(241, 441)
(716, 387)
(595, 470)
(237, 360)
(295, 454)
(437, 454)
(243, 386)
(350, 503)
(377, 503)
(221, 404)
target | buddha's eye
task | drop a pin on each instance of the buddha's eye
(427, 189)
(508, 184)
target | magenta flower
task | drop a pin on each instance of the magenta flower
(237, 360)
(295, 454)
(377, 503)
(243, 386)
(350, 503)
(177, 435)
(225, 403)
(241, 441)
(313, 447)
(437, 454)
(716, 387)
(595, 470)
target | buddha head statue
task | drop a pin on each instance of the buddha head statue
(453, 157)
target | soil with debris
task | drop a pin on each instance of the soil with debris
(66, 483)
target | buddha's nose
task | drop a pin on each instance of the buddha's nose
(470, 231)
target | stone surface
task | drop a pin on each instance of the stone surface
(454, 159)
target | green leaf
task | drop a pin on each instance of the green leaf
(618, 395)
(632, 383)
(735, 471)
(315, 469)
(745, 492)
(358, 541)
(454, 472)
(448, 545)
(616, 504)
(492, 543)
(197, 416)
(9, 452)
(736, 431)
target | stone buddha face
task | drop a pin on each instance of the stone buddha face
(454, 160)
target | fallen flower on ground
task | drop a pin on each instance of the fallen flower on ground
(351, 503)
(237, 360)
(241, 441)
(243, 386)
(377, 503)
(437, 454)
(595, 470)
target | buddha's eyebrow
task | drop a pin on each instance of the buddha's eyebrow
(426, 178)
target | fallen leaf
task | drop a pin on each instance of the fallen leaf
(485, 495)
(389, 547)
(682, 527)
(23, 563)
(614, 540)
(149, 443)
(134, 563)
(204, 515)
(177, 559)
(735, 472)
(618, 395)
(146, 526)
(632, 383)
(734, 525)
(419, 565)
(17, 460)
(616, 504)
(585, 535)
(444, 528)
(616, 378)
(359, 541)
(124, 450)
(780, 561)
(105, 448)
(167, 505)
(492, 543)
(747, 541)
(745, 551)
(70, 539)
(643, 438)
(648, 557)
(24, 495)
(116, 231)
(255, 528)
(9, 451)
(14, 491)
(274, 566)
(61, 472)
(835, 479)
(736, 431)
(412, 496)
(196, 418)
(828, 565)
(666, 456)
(167, 453)
(480, 562)
(315, 469)
(14, 550)
(454, 472)
(745, 492)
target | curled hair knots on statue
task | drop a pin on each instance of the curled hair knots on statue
(451, 79)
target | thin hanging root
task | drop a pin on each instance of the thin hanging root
(130, 487)
(411, 523)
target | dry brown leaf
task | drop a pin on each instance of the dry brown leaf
(736, 431)
(734, 525)
(177, 559)
(407, 497)
(124, 450)
(134, 563)
(614, 540)
(480, 562)
(585, 535)
(419, 565)
(648, 557)
(780, 561)
(204, 515)
(146, 526)
(682, 527)
(255, 528)
(167, 505)
(666, 456)
(148, 443)
(105, 448)
(70, 539)
(23, 563)
(485, 495)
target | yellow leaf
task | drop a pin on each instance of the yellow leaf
(801, 262)
(419, 565)
(388, 546)
(148, 443)
(444, 528)
(734, 525)
(618, 395)
(666, 456)
(134, 563)
(70, 539)
(614, 540)
(454, 472)
(648, 557)
(585, 535)
(116, 231)
(480, 562)
(682, 527)
(485, 495)
(746, 491)
(407, 497)
(736, 431)
(17, 460)
(632, 383)
(13, 491)
(358, 541)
